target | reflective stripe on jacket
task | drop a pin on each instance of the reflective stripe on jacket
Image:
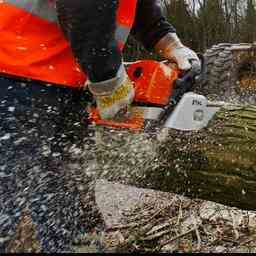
(33, 46)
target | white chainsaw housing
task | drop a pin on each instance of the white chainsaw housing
(192, 113)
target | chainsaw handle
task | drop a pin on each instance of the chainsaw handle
(195, 72)
(186, 83)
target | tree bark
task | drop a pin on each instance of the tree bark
(217, 163)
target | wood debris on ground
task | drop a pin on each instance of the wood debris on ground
(139, 220)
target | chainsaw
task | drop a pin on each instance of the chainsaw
(164, 97)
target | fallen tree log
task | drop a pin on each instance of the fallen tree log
(217, 163)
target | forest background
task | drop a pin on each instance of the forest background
(203, 23)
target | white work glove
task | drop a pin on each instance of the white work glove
(113, 97)
(171, 48)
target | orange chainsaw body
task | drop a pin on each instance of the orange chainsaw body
(154, 83)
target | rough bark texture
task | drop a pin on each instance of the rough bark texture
(230, 73)
(217, 163)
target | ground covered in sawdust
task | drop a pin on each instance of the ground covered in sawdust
(139, 220)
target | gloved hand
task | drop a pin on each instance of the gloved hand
(171, 48)
(114, 96)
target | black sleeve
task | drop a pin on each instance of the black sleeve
(150, 24)
(90, 26)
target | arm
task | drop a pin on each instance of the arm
(150, 24)
(90, 26)
(153, 30)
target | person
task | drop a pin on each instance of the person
(49, 51)
(33, 46)
(97, 32)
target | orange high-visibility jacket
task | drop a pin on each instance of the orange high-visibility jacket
(33, 46)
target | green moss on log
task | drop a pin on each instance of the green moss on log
(217, 163)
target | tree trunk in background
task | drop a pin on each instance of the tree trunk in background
(217, 163)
